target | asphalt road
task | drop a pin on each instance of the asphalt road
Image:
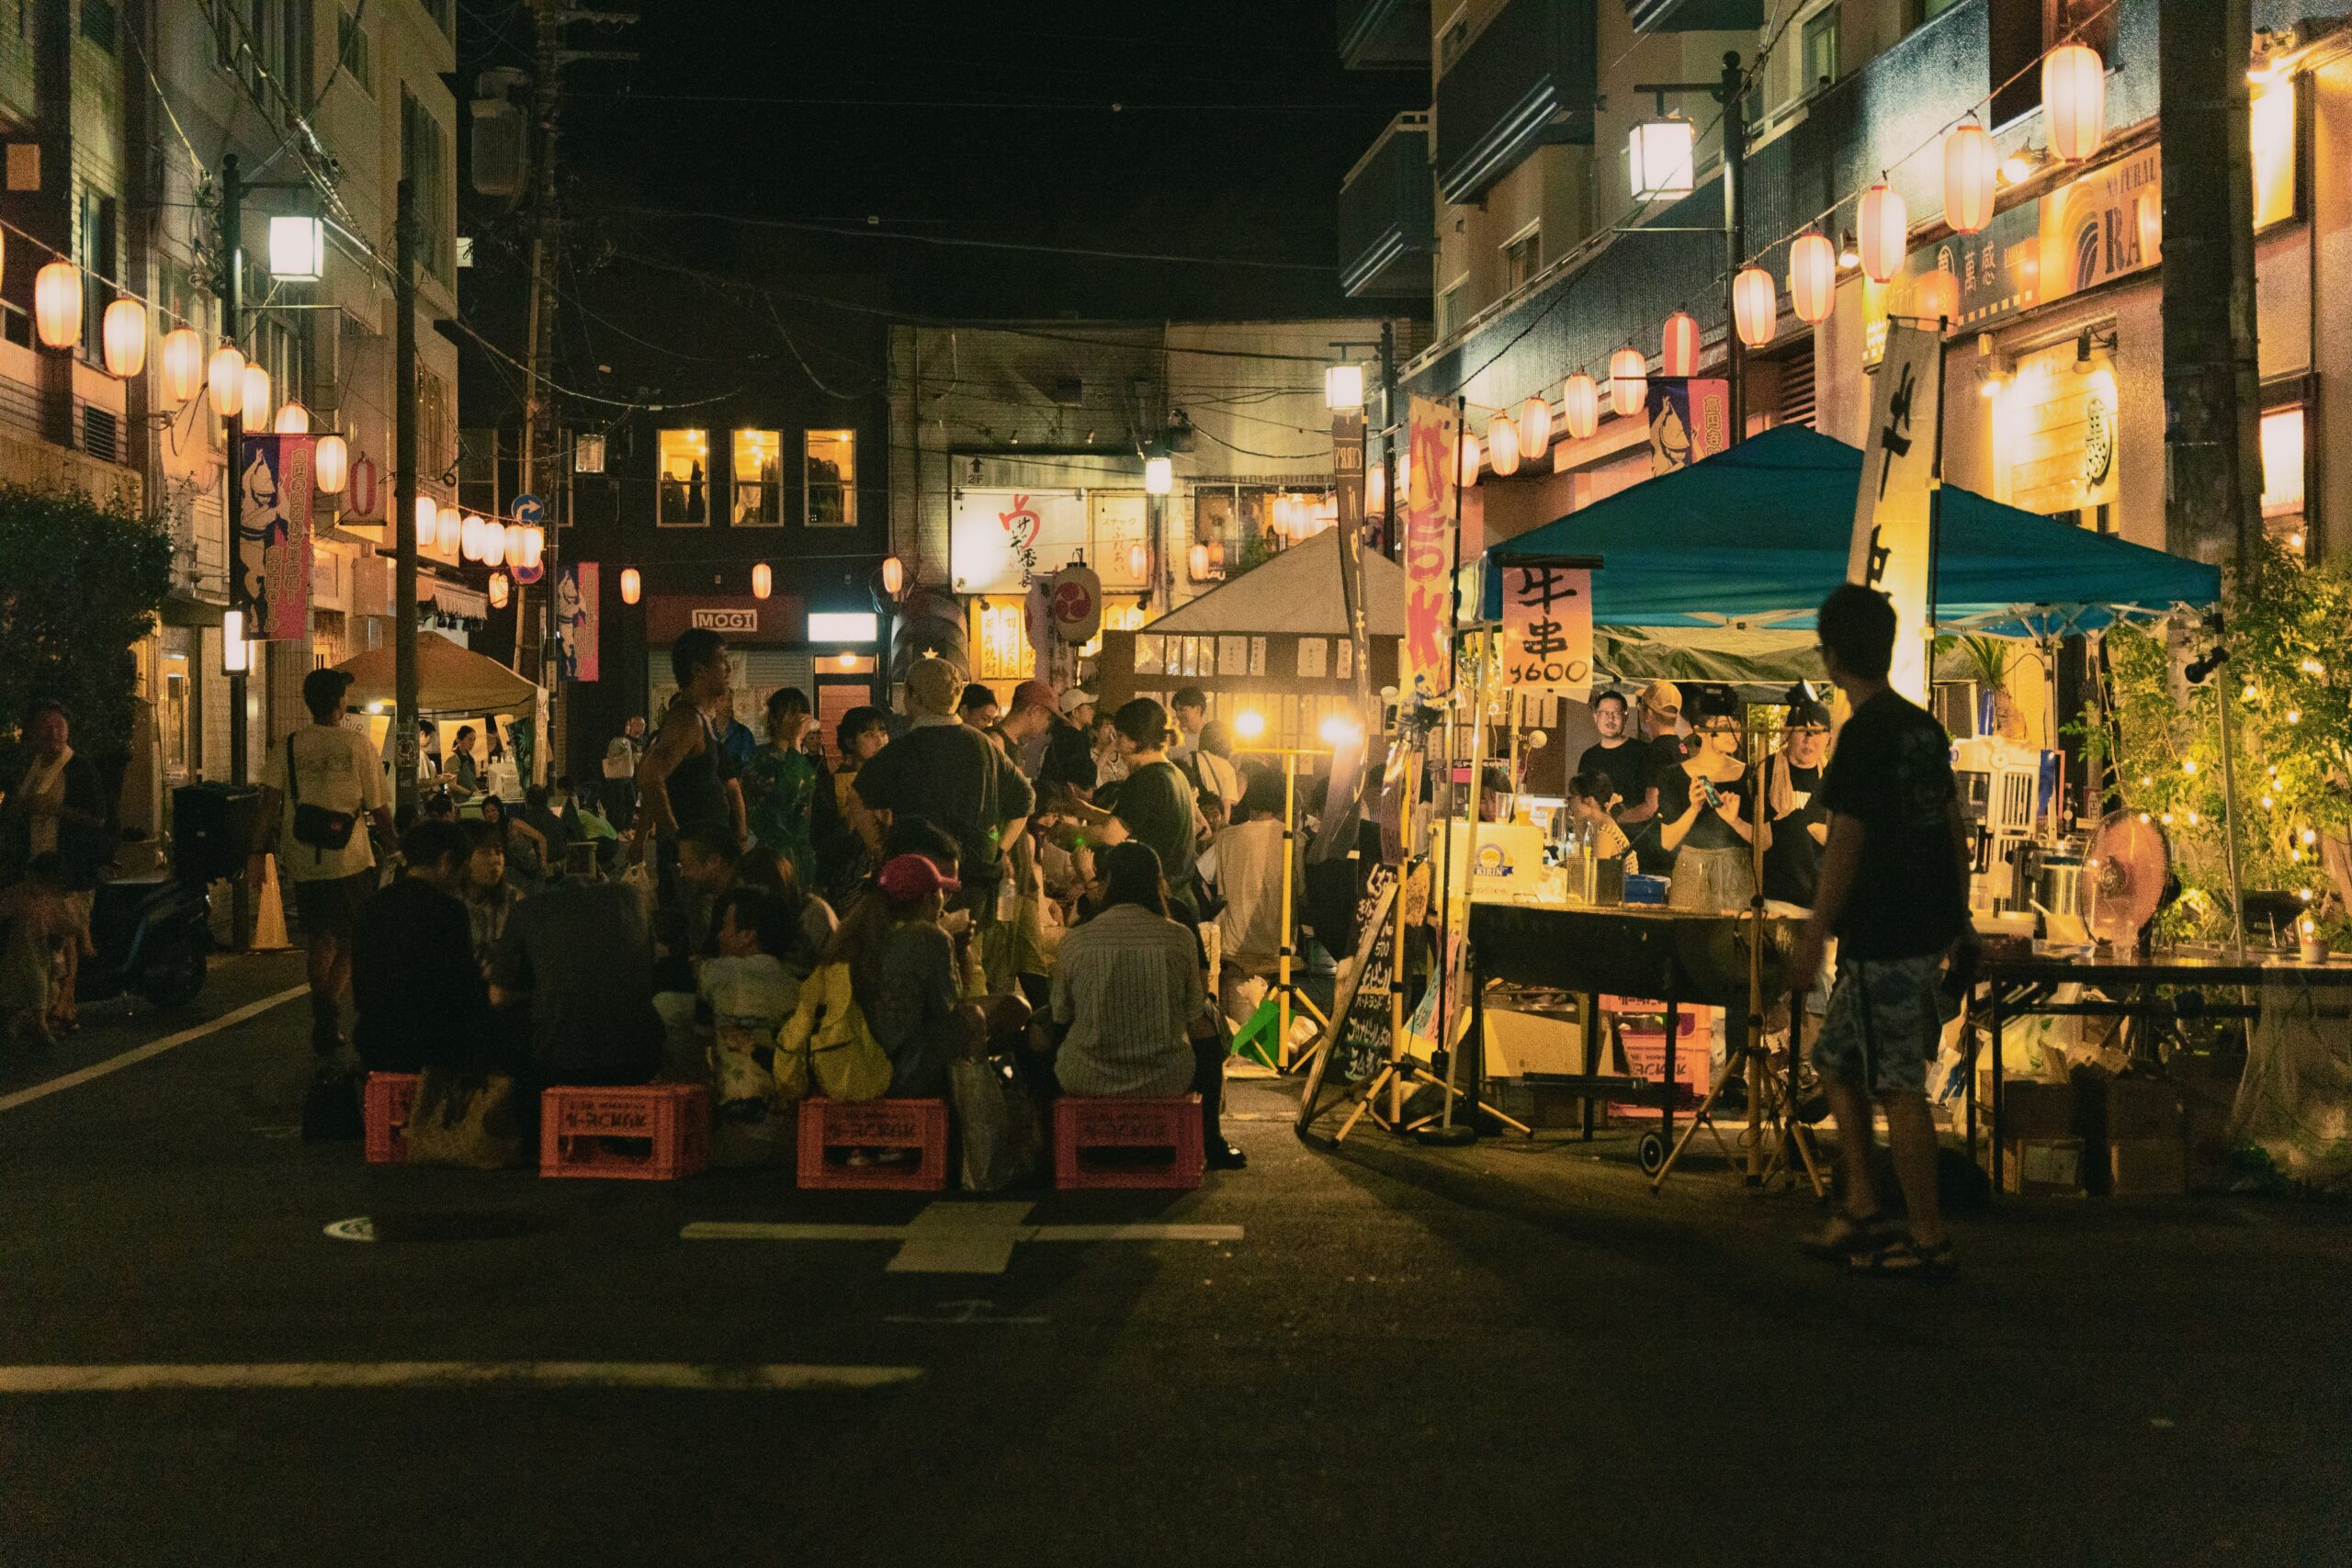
(1505, 1355)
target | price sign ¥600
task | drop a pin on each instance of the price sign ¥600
(1548, 629)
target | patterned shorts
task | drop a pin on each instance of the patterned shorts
(1882, 1024)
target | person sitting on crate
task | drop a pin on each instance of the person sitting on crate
(414, 978)
(750, 992)
(576, 962)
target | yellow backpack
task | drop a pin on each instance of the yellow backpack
(826, 1046)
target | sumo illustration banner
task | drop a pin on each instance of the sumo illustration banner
(576, 626)
(1689, 419)
(269, 579)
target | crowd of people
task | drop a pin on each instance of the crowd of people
(979, 880)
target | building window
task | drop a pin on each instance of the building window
(96, 245)
(99, 23)
(1820, 54)
(828, 492)
(759, 479)
(355, 52)
(424, 163)
(1452, 308)
(1522, 259)
(1926, 11)
(2285, 479)
(683, 492)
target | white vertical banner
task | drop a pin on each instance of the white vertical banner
(1893, 514)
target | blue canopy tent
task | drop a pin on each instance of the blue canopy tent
(1753, 539)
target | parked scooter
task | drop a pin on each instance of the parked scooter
(152, 936)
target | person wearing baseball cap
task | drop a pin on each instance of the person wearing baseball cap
(956, 777)
(1078, 706)
(903, 972)
(1793, 796)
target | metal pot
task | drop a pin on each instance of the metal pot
(2058, 881)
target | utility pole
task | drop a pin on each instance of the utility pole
(547, 19)
(232, 436)
(404, 746)
(1734, 133)
(1388, 541)
(2212, 398)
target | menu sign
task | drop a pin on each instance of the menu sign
(1548, 629)
(1893, 512)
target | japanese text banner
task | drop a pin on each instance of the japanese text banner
(1548, 629)
(1436, 455)
(1892, 511)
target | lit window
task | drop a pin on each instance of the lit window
(1522, 258)
(759, 479)
(2283, 471)
(683, 496)
(828, 496)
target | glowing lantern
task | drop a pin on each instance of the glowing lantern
(535, 545)
(1885, 226)
(762, 580)
(1159, 476)
(123, 332)
(894, 575)
(57, 304)
(254, 395)
(1502, 445)
(1813, 276)
(1137, 559)
(1629, 382)
(1534, 428)
(1755, 306)
(1468, 476)
(631, 585)
(1197, 559)
(498, 590)
(1216, 556)
(1580, 405)
(293, 419)
(183, 364)
(449, 528)
(2074, 101)
(1972, 178)
(1375, 490)
(1659, 157)
(225, 380)
(331, 463)
(1679, 353)
(428, 522)
(1936, 297)
(468, 537)
(493, 545)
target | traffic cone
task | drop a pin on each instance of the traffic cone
(269, 918)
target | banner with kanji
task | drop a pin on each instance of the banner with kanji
(1894, 510)
(1435, 448)
(1548, 629)
(269, 572)
(1343, 797)
(1689, 419)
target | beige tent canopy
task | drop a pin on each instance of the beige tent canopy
(1298, 591)
(449, 679)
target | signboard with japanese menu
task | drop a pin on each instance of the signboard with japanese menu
(1435, 449)
(1893, 510)
(1548, 629)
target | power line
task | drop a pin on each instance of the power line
(875, 231)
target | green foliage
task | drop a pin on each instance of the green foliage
(80, 582)
(2290, 683)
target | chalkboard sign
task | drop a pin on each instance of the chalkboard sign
(1355, 1045)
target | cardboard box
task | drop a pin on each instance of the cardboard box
(2030, 1108)
(2148, 1168)
(2142, 1108)
(2043, 1167)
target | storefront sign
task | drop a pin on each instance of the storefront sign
(736, 623)
(2103, 226)
(1436, 447)
(577, 620)
(1548, 629)
(1000, 541)
(1892, 512)
(269, 579)
(1689, 420)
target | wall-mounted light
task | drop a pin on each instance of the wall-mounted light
(297, 248)
(1343, 387)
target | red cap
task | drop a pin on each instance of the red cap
(906, 878)
(1037, 694)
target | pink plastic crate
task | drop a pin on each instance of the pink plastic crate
(646, 1133)
(831, 1131)
(1645, 1058)
(385, 1105)
(1085, 1129)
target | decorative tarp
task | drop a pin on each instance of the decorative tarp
(1759, 535)
(1298, 591)
(449, 679)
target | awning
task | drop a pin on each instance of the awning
(1756, 536)
(1298, 591)
(449, 680)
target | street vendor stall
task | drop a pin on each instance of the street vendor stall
(454, 685)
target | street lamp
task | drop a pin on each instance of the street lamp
(297, 248)
(1159, 476)
(1659, 161)
(1661, 156)
(235, 660)
(1343, 387)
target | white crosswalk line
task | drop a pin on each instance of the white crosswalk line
(691, 1375)
(955, 1238)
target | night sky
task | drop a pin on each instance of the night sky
(950, 123)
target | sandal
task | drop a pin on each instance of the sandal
(1904, 1256)
(1847, 1235)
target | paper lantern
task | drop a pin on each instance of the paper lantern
(1679, 355)
(894, 575)
(331, 464)
(1629, 382)
(1138, 557)
(254, 397)
(293, 419)
(225, 380)
(1885, 225)
(493, 545)
(1216, 556)
(448, 528)
(1502, 445)
(1468, 475)
(498, 590)
(123, 332)
(1755, 306)
(183, 364)
(428, 522)
(1534, 428)
(534, 547)
(1813, 276)
(1197, 560)
(1375, 490)
(631, 585)
(57, 304)
(1972, 178)
(2074, 101)
(1580, 405)
(762, 580)
(1936, 297)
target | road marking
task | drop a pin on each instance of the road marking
(960, 1312)
(955, 1238)
(445, 1374)
(138, 1054)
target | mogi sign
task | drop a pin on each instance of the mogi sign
(741, 621)
(1547, 627)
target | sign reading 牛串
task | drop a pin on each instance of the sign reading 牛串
(1547, 627)
(1894, 510)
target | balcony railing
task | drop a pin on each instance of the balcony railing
(1375, 33)
(1528, 78)
(1695, 15)
(1387, 214)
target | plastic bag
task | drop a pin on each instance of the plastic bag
(1003, 1137)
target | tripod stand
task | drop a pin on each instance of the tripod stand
(1770, 1096)
(1271, 1016)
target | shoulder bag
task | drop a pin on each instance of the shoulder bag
(316, 826)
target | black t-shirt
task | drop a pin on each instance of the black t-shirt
(415, 981)
(1626, 766)
(1155, 804)
(1892, 773)
(1792, 863)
